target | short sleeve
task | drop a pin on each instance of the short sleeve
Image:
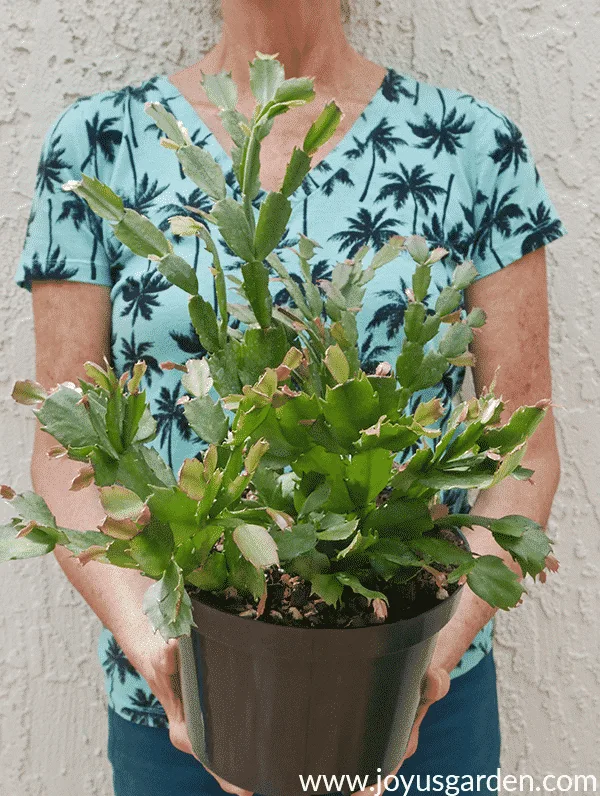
(512, 212)
(63, 237)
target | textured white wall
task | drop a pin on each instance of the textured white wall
(538, 62)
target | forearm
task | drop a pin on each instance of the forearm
(114, 594)
(533, 500)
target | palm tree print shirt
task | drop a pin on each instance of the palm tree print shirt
(420, 159)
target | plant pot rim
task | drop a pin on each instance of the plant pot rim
(218, 624)
(239, 632)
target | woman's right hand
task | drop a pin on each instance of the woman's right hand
(158, 663)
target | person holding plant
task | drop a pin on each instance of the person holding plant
(408, 158)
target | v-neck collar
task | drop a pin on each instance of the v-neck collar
(318, 173)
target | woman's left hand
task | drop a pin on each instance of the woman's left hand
(437, 683)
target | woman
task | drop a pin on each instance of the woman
(407, 158)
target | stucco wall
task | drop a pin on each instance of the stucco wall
(538, 62)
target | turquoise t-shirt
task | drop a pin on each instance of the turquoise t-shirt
(420, 159)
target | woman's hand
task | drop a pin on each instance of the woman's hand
(437, 684)
(158, 663)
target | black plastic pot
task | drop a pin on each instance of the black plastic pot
(265, 703)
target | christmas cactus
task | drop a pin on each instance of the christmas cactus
(299, 474)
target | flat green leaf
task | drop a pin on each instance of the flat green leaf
(193, 551)
(36, 543)
(522, 473)
(513, 525)
(295, 90)
(257, 545)
(101, 199)
(429, 412)
(464, 275)
(233, 226)
(388, 252)
(367, 473)
(197, 380)
(220, 89)
(147, 427)
(256, 288)
(191, 478)
(166, 122)
(409, 362)
(266, 75)
(231, 122)
(529, 550)
(476, 477)
(405, 518)
(157, 465)
(200, 166)
(476, 317)
(116, 553)
(140, 235)
(495, 583)
(394, 551)
(448, 300)
(337, 364)
(273, 217)
(295, 172)
(456, 340)
(32, 508)
(322, 128)
(242, 575)
(168, 605)
(172, 504)
(349, 408)
(430, 372)
(420, 281)
(440, 551)
(290, 284)
(357, 547)
(79, 541)
(259, 350)
(62, 416)
(242, 313)
(120, 503)
(152, 548)
(211, 576)
(133, 411)
(519, 428)
(413, 321)
(250, 166)
(417, 247)
(295, 541)
(354, 583)
(204, 320)
(28, 392)
(328, 588)
(309, 564)
(207, 418)
(313, 502)
(179, 272)
(336, 528)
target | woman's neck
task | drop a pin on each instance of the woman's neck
(307, 36)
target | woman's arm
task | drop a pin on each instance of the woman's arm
(514, 342)
(513, 346)
(72, 322)
(72, 326)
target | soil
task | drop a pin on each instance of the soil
(289, 599)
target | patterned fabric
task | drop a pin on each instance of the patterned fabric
(420, 159)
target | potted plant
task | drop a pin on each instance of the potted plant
(305, 572)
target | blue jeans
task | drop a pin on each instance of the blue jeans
(460, 735)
